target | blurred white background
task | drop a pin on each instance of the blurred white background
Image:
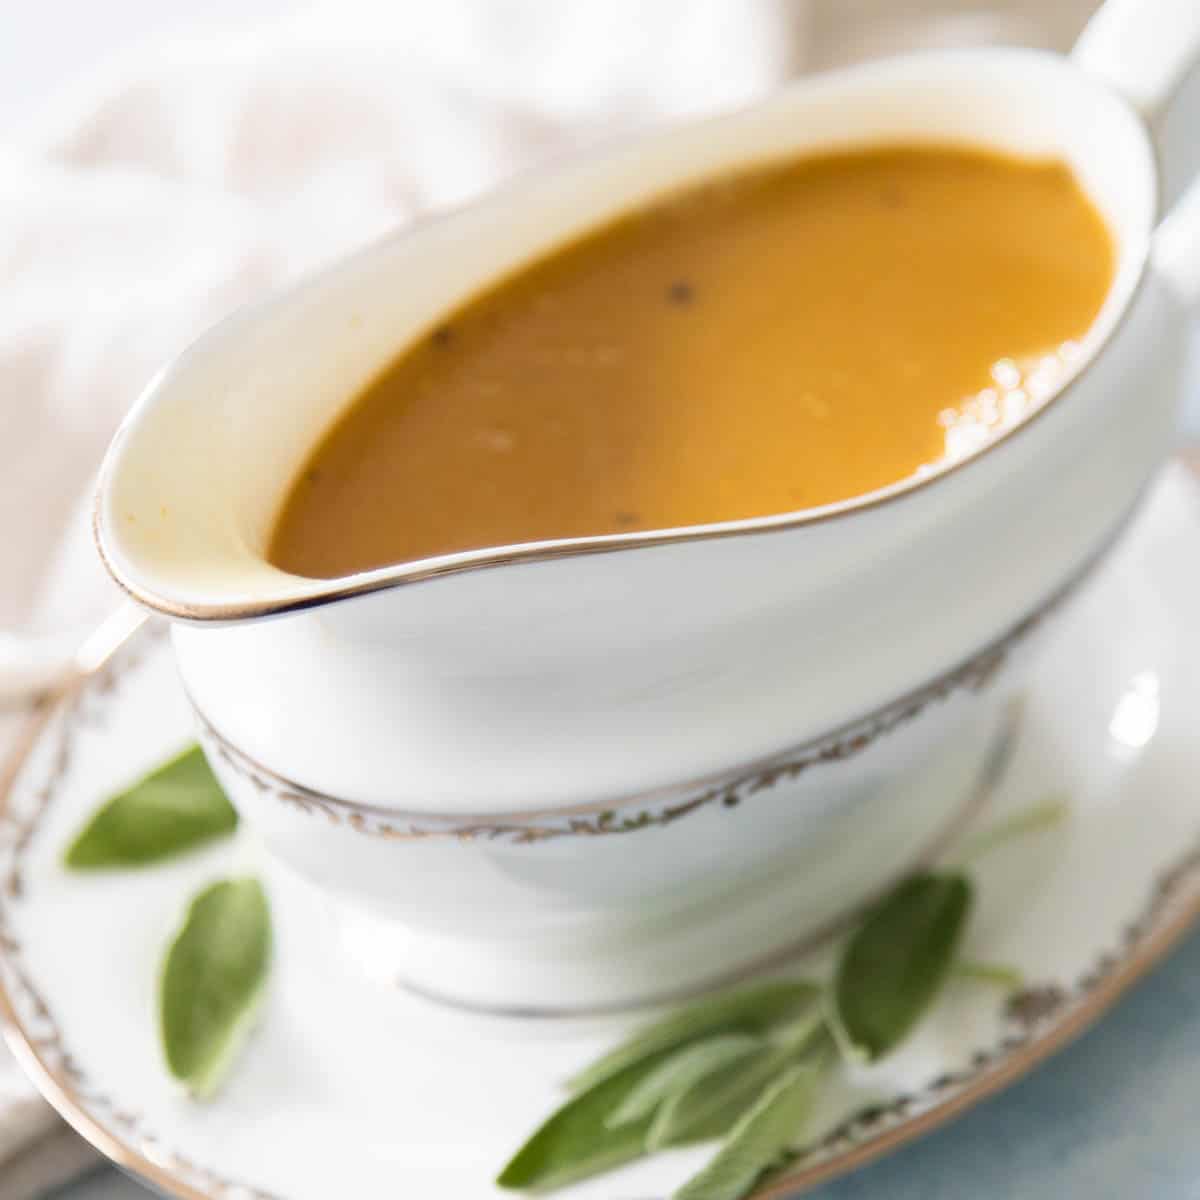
(47, 44)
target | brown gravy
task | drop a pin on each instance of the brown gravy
(779, 339)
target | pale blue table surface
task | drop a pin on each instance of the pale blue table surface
(1116, 1116)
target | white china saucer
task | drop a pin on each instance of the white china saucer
(353, 1089)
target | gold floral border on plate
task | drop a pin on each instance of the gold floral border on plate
(1039, 1020)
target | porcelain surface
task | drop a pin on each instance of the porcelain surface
(559, 674)
(1037, 1138)
(542, 775)
(356, 1088)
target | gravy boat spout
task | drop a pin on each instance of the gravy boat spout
(441, 743)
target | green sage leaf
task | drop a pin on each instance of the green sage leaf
(175, 808)
(757, 1140)
(747, 1010)
(712, 1105)
(998, 975)
(682, 1069)
(894, 965)
(212, 981)
(1047, 814)
(576, 1140)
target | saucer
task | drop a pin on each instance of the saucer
(357, 1088)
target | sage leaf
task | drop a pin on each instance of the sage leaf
(757, 1140)
(712, 1105)
(998, 975)
(894, 965)
(175, 808)
(576, 1140)
(682, 1069)
(212, 981)
(1047, 814)
(747, 1010)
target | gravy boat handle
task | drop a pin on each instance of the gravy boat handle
(1144, 49)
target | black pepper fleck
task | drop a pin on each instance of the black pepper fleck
(312, 475)
(443, 335)
(681, 292)
(625, 519)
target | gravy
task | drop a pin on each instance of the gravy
(782, 338)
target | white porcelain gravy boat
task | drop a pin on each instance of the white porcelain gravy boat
(579, 773)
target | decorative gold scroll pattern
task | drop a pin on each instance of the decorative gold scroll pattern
(844, 744)
(662, 808)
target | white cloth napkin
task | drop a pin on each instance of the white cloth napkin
(181, 182)
(186, 179)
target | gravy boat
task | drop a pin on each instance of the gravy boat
(577, 774)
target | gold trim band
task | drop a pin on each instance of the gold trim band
(663, 806)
